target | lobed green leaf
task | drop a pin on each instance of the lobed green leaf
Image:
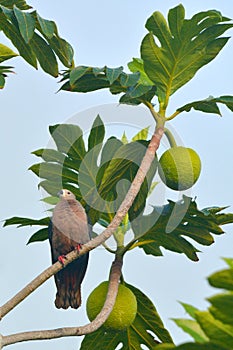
(169, 225)
(174, 51)
(147, 321)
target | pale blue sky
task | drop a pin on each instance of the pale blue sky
(107, 33)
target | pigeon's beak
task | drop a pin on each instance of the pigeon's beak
(60, 193)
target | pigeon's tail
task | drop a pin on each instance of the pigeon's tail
(68, 298)
(68, 282)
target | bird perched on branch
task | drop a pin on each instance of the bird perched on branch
(68, 230)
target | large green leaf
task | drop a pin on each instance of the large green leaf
(20, 222)
(26, 23)
(69, 140)
(95, 176)
(216, 324)
(48, 28)
(62, 49)
(54, 156)
(54, 172)
(6, 53)
(222, 306)
(123, 166)
(86, 82)
(45, 55)
(174, 51)
(216, 331)
(147, 321)
(39, 236)
(168, 226)
(112, 74)
(77, 73)
(137, 66)
(19, 26)
(222, 279)
(209, 105)
(97, 133)
(192, 328)
(13, 33)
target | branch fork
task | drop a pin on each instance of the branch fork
(116, 266)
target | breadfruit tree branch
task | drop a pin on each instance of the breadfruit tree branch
(75, 331)
(113, 287)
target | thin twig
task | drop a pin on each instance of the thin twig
(75, 331)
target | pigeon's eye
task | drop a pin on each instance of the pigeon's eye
(68, 192)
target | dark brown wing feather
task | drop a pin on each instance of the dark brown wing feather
(68, 228)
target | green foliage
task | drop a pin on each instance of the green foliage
(211, 329)
(5, 54)
(147, 321)
(209, 105)
(86, 79)
(167, 226)
(73, 166)
(185, 45)
(4, 70)
(35, 38)
(100, 174)
(21, 4)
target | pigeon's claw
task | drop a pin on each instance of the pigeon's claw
(62, 259)
(79, 247)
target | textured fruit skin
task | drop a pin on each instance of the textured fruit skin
(124, 310)
(179, 168)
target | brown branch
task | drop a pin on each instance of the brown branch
(122, 211)
(75, 331)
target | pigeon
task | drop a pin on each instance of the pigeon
(68, 230)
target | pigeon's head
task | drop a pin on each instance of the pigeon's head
(66, 194)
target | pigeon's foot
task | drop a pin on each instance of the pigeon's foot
(62, 259)
(79, 247)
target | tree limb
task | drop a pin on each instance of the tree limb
(75, 331)
(122, 211)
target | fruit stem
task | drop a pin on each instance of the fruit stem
(170, 138)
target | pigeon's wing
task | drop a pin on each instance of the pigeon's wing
(68, 228)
